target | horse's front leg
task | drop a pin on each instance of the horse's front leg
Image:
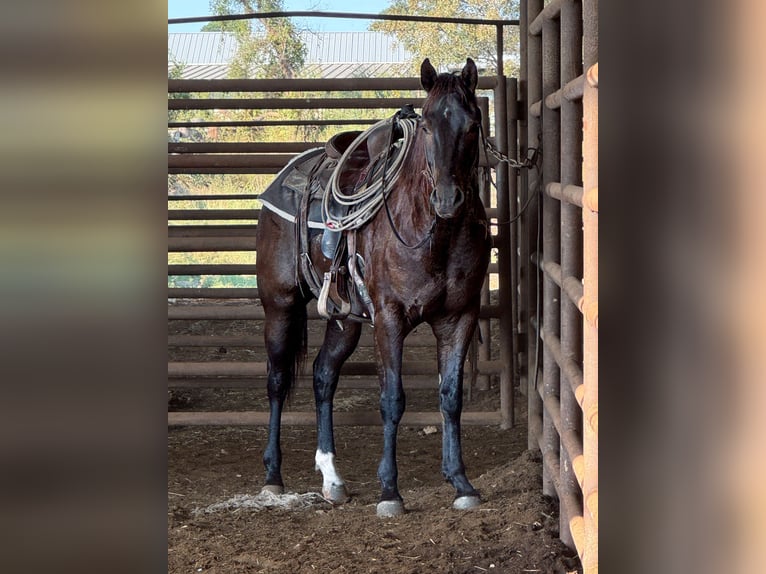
(389, 340)
(453, 335)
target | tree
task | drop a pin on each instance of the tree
(449, 44)
(266, 48)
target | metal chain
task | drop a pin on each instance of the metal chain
(528, 163)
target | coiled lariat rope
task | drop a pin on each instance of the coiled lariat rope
(368, 197)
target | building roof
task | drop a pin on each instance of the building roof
(206, 55)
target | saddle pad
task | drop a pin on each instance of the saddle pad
(283, 196)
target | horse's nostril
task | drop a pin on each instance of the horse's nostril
(459, 196)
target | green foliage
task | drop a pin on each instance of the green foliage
(448, 45)
(267, 48)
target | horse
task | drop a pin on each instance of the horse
(425, 259)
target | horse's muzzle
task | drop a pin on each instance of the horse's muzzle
(447, 201)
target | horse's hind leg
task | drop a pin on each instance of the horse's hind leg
(285, 340)
(337, 347)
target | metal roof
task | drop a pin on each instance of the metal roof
(194, 48)
(206, 55)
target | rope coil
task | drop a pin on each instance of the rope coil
(367, 198)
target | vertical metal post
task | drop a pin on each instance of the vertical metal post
(503, 243)
(534, 94)
(513, 193)
(522, 226)
(551, 237)
(589, 555)
(590, 327)
(571, 249)
(485, 189)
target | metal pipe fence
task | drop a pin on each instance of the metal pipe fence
(544, 220)
(560, 74)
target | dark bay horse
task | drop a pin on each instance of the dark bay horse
(425, 261)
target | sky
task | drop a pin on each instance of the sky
(187, 8)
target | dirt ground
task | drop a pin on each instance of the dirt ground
(515, 529)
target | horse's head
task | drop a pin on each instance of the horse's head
(450, 124)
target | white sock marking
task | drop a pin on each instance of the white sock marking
(325, 462)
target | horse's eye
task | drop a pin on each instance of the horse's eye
(425, 129)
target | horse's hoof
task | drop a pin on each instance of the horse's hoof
(466, 502)
(389, 508)
(274, 489)
(336, 494)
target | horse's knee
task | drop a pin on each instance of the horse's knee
(450, 400)
(325, 381)
(392, 406)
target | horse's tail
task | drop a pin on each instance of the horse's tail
(298, 341)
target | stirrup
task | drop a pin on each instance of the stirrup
(324, 301)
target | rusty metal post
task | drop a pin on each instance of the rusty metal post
(485, 190)
(522, 225)
(589, 554)
(513, 196)
(571, 256)
(551, 237)
(534, 94)
(502, 242)
(590, 308)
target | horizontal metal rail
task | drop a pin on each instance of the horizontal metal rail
(551, 12)
(572, 286)
(215, 197)
(571, 504)
(573, 90)
(570, 193)
(213, 230)
(251, 170)
(234, 269)
(213, 293)
(358, 16)
(292, 103)
(307, 85)
(424, 338)
(303, 381)
(570, 440)
(350, 368)
(213, 214)
(209, 244)
(229, 312)
(267, 123)
(243, 147)
(570, 368)
(207, 269)
(358, 418)
(223, 161)
(228, 214)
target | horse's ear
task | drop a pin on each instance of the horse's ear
(470, 75)
(427, 75)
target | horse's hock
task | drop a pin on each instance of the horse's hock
(539, 304)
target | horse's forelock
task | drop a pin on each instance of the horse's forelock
(448, 84)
